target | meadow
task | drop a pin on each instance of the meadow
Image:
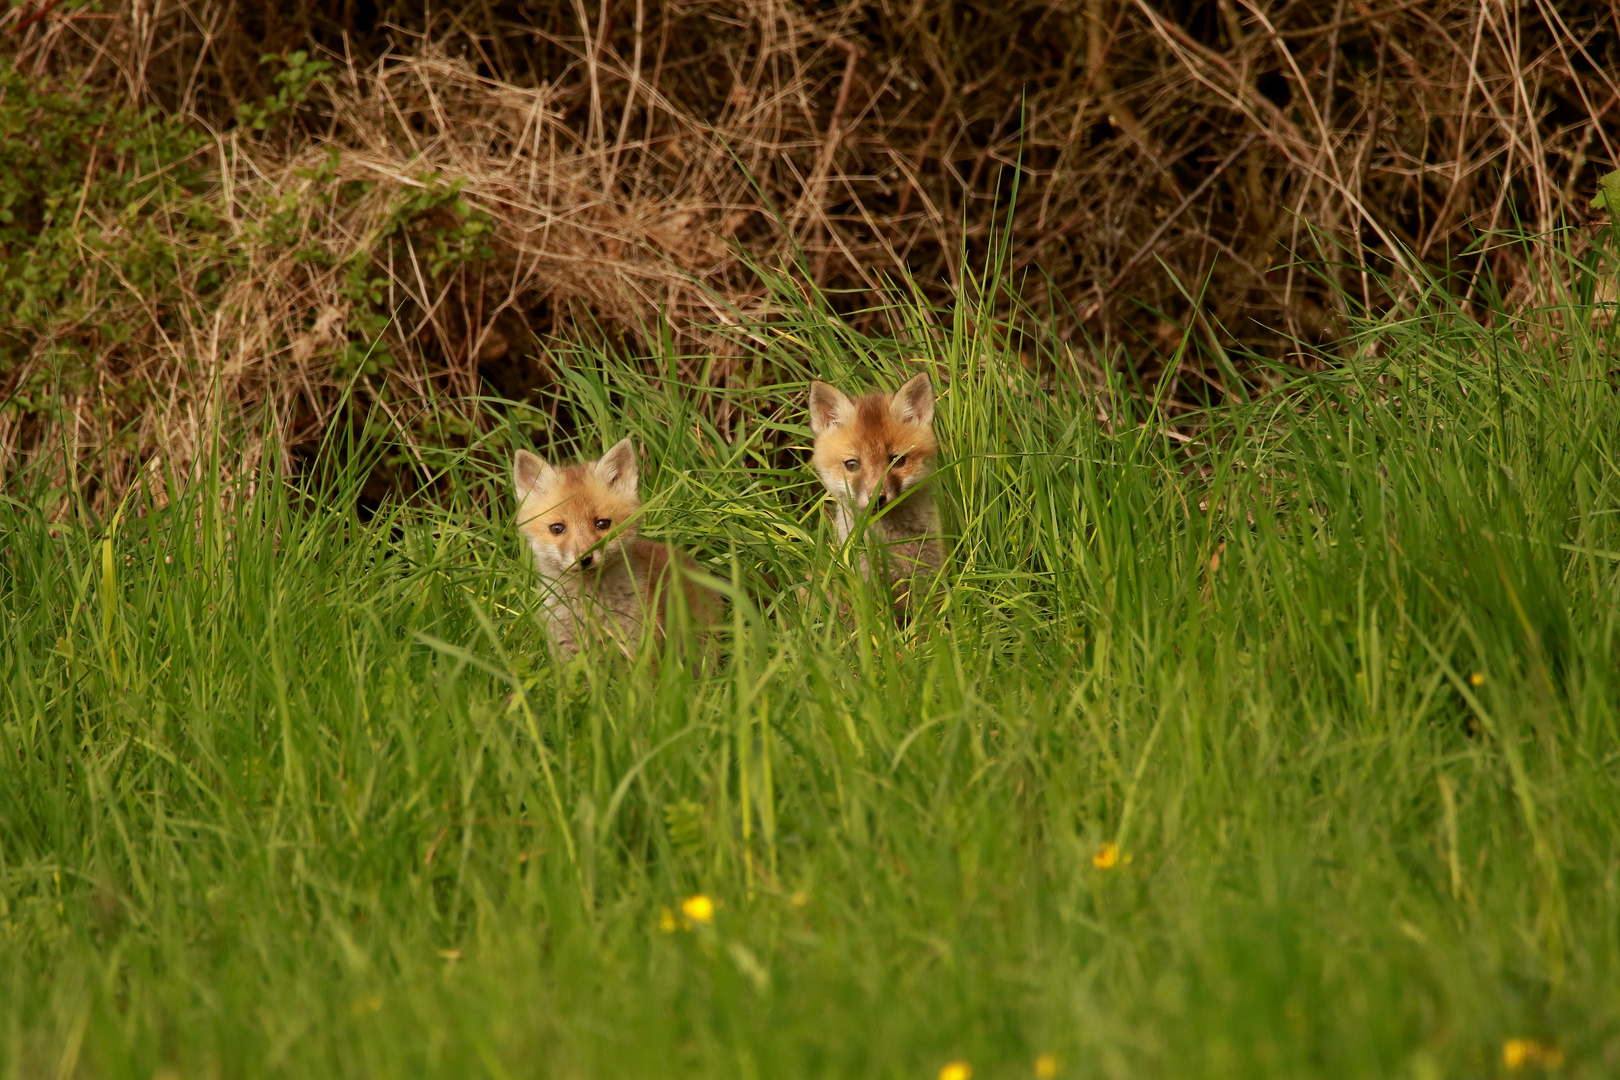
(1279, 741)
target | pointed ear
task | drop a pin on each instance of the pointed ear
(829, 407)
(617, 467)
(913, 403)
(527, 469)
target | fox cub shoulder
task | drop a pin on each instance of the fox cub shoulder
(875, 454)
(602, 581)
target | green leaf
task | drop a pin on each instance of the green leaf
(1608, 196)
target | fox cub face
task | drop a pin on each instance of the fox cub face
(871, 451)
(577, 517)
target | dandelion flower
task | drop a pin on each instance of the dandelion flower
(1517, 1053)
(1046, 1066)
(956, 1070)
(1478, 679)
(698, 908)
(1107, 856)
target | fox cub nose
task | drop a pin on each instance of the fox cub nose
(587, 560)
(880, 500)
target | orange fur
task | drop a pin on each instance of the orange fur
(875, 456)
(601, 578)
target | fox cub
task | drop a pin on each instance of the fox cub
(601, 579)
(875, 455)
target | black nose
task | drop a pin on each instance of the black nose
(587, 560)
(882, 500)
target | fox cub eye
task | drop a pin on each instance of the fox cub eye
(851, 464)
(603, 524)
(558, 528)
(897, 459)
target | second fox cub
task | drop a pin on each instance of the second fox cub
(875, 455)
(602, 581)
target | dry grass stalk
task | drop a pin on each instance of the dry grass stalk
(638, 158)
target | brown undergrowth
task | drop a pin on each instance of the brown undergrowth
(401, 209)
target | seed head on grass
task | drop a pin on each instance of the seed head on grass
(362, 1006)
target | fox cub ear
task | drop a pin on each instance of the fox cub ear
(527, 469)
(829, 407)
(617, 467)
(913, 403)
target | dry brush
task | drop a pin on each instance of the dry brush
(405, 208)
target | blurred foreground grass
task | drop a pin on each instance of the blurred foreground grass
(1287, 752)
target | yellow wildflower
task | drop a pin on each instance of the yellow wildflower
(698, 908)
(1046, 1066)
(956, 1070)
(1478, 679)
(1107, 856)
(1517, 1053)
(666, 920)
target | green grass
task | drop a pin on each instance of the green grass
(289, 794)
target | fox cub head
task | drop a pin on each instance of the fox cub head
(870, 451)
(577, 517)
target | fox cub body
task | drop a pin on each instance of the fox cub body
(875, 454)
(602, 581)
